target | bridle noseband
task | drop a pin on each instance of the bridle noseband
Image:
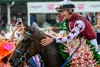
(22, 54)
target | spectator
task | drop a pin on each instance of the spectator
(24, 18)
(97, 28)
(90, 18)
(1, 22)
(16, 33)
(32, 20)
(4, 18)
(13, 21)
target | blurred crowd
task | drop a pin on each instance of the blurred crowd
(3, 23)
(15, 16)
(93, 18)
(3, 19)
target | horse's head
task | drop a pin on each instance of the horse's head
(30, 45)
(25, 47)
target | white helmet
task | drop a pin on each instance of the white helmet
(65, 4)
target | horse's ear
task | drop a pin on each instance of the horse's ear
(25, 25)
(27, 28)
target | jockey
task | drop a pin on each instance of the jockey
(78, 26)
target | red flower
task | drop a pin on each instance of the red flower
(78, 58)
(86, 59)
(87, 53)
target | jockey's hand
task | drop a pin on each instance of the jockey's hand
(46, 41)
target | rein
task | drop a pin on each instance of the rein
(22, 59)
(39, 49)
(70, 57)
(18, 51)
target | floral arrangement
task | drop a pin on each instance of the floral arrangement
(83, 57)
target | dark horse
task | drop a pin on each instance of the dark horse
(30, 46)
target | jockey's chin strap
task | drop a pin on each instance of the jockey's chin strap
(70, 57)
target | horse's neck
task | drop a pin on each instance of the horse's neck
(38, 33)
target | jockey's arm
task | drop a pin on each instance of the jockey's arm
(78, 28)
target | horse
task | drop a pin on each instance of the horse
(30, 45)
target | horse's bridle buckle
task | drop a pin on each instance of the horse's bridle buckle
(23, 58)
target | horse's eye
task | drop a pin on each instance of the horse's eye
(23, 41)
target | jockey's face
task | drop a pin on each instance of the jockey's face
(65, 14)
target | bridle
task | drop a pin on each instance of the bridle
(22, 55)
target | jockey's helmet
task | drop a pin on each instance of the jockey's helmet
(66, 4)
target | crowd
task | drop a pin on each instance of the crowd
(14, 35)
